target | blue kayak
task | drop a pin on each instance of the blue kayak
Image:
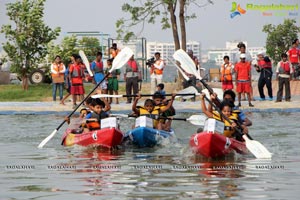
(149, 137)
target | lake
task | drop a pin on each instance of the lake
(170, 171)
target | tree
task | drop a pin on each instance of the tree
(90, 46)
(149, 10)
(64, 50)
(28, 37)
(280, 37)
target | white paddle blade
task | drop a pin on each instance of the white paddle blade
(257, 149)
(186, 62)
(86, 62)
(42, 144)
(105, 95)
(180, 70)
(198, 120)
(218, 91)
(121, 59)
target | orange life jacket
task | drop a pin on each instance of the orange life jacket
(93, 125)
(226, 72)
(57, 68)
(155, 70)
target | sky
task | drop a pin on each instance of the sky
(212, 27)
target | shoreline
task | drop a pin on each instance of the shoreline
(49, 107)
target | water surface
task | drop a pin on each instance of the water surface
(166, 172)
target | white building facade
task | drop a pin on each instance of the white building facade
(230, 50)
(167, 50)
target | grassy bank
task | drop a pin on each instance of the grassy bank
(43, 92)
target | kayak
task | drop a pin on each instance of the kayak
(106, 137)
(149, 137)
(213, 145)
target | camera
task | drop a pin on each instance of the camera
(150, 62)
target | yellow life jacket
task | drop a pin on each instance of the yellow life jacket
(228, 130)
(153, 114)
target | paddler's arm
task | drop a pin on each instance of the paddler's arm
(203, 107)
(213, 98)
(134, 108)
(107, 105)
(168, 106)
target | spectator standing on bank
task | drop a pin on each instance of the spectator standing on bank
(156, 72)
(243, 78)
(67, 80)
(284, 76)
(242, 50)
(76, 75)
(227, 70)
(113, 50)
(58, 77)
(113, 82)
(264, 67)
(294, 58)
(160, 89)
(98, 70)
(131, 77)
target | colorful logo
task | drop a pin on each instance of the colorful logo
(236, 10)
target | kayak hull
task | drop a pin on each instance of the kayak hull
(213, 145)
(107, 137)
(149, 137)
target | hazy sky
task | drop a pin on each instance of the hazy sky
(213, 26)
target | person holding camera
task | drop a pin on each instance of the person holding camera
(156, 71)
(131, 76)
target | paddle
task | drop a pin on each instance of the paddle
(187, 93)
(255, 147)
(86, 62)
(119, 61)
(198, 120)
(188, 65)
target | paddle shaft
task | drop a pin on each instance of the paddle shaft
(150, 95)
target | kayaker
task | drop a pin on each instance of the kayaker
(229, 95)
(151, 110)
(226, 108)
(77, 124)
(99, 111)
(161, 102)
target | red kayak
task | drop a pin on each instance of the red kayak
(213, 145)
(106, 137)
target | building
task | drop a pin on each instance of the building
(167, 49)
(216, 55)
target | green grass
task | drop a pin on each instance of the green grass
(16, 93)
(42, 92)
